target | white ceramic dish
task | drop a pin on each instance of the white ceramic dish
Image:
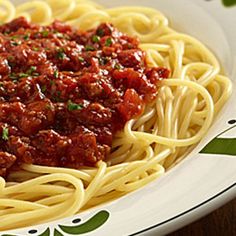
(200, 183)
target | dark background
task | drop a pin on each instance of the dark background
(221, 222)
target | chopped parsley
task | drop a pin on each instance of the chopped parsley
(31, 70)
(96, 39)
(56, 74)
(14, 43)
(81, 59)
(6, 32)
(26, 37)
(52, 82)
(15, 37)
(10, 58)
(13, 76)
(57, 96)
(22, 75)
(117, 66)
(100, 32)
(89, 48)
(74, 106)
(129, 46)
(108, 42)
(44, 88)
(49, 107)
(5, 133)
(35, 49)
(45, 33)
(60, 54)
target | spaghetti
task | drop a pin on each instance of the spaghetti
(162, 136)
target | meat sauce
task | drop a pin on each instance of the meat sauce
(64, 93)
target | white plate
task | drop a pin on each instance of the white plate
(200, 183)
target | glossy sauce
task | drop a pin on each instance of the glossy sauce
(64, 92)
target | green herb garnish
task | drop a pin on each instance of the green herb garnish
(52, 82)
(13, 43)
(45, 33)
(5, 133)
(44, 88)
(10, 58)
(95, 39)
(57, 96)
(13, 76)
(35, 49)
(81, 59)
(89, 48)
(15, 37)
(108, 42)
(49, 107)
(117, 66)
(7, 32)
(26, 37)
(31, 70)
(60, 54)
(56, 74)
(74, 106)
(22, 75)
(100, 32)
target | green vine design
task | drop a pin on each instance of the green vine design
(229, 3)
(222, 146)
(91, 224)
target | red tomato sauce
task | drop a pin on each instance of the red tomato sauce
(64, 93)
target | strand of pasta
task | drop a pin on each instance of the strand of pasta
(178, 142)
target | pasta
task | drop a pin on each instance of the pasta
(162, 136)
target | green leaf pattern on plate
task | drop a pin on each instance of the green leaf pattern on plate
(225, 146)
(221, 146)
(229, 3)
(8, 235)
(45, 233)
(57, 233)
(91, 224)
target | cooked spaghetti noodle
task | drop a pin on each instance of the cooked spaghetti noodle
(163, 135)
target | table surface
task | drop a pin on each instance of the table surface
(219, 223)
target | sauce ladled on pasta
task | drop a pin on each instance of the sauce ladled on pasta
(65, 92)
